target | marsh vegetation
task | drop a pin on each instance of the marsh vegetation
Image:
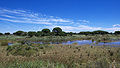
(24, 50)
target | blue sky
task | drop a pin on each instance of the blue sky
(70, 15)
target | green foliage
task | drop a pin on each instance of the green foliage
(117, 32)
(39, 33)
(94, 32)
(23, 50)
(57, 31)
(86, 33)
(45, 32)
(70, 33)
(20, 33)
(1, 33)
(31, 33)
(34, 64)
(4, 43)
(7, 33)
(100, 32)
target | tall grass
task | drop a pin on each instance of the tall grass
(71, 56)
(31, 55)
(101, 38)
(34, 64)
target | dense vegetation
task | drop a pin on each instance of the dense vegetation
(57, 31)
(26, 52)
(58, 56)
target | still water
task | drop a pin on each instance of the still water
(82, 42)
(89, 42)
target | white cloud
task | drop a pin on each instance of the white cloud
(8, 16)
(76, 28)
(116, 25)
(84, 28)
(21, 16)
(83, 21)
(112, 29)
(12, 11)
(60, 20)
(25, 21)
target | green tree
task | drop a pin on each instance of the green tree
(63, 33)
(45, 32)
(7, 33)
(86, 33)
(70, 33)
(1, 33)
(39, 33)
(31, 33)
(117, 32)
(57, 31)
(100, 32)
(24, 34)
(19, 33)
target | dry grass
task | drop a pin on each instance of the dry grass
(74, 56)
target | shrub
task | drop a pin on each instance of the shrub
(1, 33)
(4, 43)
(57, 31)
(7, 33)
(45, 32)
(20, 33)
(25, 50)
(31, 33)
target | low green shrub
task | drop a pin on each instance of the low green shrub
(4, 43)
(24, 50)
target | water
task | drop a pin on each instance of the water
(81, 42)
(89, 42)
(9, 44)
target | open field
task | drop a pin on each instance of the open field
(57, 55)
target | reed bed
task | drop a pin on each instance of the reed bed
(59, 56)
(59, 39)
(32, 55)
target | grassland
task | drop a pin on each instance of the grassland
(98, 38)
(31, 55)
(59, 56)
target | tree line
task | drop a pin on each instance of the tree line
(57, 31)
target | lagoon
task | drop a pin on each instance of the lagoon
(81, 42)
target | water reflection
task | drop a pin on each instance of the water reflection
(81, 42)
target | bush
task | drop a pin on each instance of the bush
(25, 50)
(45, 32)
(4, 43)
(20, 33)
(7, 33)
(1, 33)
(31, 33)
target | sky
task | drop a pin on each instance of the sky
(70, 15)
